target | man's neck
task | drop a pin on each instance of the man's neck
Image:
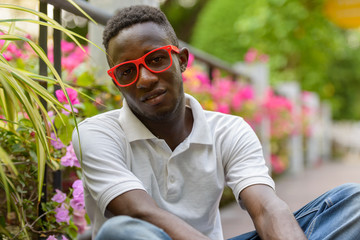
(173, 131)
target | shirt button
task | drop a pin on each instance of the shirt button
(172, 179)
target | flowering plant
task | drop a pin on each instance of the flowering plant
(225, 95)
(67, 213)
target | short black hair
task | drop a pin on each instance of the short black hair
(129, 16)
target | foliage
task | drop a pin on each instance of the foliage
(183, 17)
(21, 218)
(302, 44)
(24, 105)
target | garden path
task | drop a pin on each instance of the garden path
(296, 191)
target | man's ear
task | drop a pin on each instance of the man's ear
(183, 59)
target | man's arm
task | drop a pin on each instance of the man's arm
(271, 216)
(138, 204)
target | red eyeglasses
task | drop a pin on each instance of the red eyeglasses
(156, 61)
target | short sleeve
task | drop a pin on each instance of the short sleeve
(104, 150)
(244, 162)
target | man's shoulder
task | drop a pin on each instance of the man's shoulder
(106, 117)
(103, 122)
(218, 117)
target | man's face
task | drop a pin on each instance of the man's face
(154, 96)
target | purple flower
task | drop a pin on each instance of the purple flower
(77, 184)
(64, 238)
(59, 197)
(55, 142)
(70, 160)
(62, 214)
(77, 203)
(51, 237)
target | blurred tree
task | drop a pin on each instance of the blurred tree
(302, 43)
(182, 14)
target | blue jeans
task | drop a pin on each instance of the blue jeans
(333, 215)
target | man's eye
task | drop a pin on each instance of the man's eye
(127, 72)
(157, 59)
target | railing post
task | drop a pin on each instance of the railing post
(313, 141)
(259, 75)
(57, 64)
(326, 124)
(43, 31)
(291, 90)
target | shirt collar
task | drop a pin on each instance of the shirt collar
(134, 129)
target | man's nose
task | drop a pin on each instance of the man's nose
(146, 78)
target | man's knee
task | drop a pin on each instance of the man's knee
(350, 188)
(125, 227)
(116, 222)
(347, 192)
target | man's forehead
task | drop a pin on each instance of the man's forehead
(142, 31)
(137, 39)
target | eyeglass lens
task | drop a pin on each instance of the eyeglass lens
(156, 61)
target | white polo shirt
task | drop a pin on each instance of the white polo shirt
(120, 154)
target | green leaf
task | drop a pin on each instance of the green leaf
(65, 134)
(90, 110)
(17, 148)
(64, 128)
(85, 79)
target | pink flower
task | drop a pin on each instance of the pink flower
(67, 46)
(251, 55)
(62, 214)
(8, 57)
(223, 108)
(221, 89)
(67, 113)
(79, 220)
(244, 94)
(59, 197)
(72, 96)
(55, 142)
(277, 165)
(264, 58)
(64, 238)
(204, 78)
(191, 59)
(70, 160)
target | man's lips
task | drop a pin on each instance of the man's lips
(153, 94)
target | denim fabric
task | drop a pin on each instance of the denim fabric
(334, 215)
(127, 228)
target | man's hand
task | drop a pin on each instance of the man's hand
(138, 204)
(271, 216)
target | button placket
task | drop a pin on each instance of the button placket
(171, 178)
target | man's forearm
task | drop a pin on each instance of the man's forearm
(271, 216)
(138, 204)
(175, 227)
(278, 222)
